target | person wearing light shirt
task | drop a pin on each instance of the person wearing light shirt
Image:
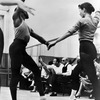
(58, 70)
(61, 76)
(56, 66)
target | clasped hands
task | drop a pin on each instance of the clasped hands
(51, 45)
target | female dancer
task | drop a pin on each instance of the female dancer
(86, 26)
(19, 55)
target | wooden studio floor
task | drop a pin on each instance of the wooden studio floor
(27, 95)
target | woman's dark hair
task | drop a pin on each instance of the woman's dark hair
(89, 8)
(21, 11)
(25, 14)
(58, 60)
(50, 62)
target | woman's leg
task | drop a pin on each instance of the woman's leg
(15, 68)
(31, 65)
(79, 90)
(75, 80)
(90, 70)
(87, 55)
(14, 82)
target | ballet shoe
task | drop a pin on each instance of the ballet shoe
(77, 96)
(34, 90)
(72, 97)
(91, 96)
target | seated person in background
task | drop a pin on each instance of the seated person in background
(33, 85)
(52, 69)
(97, 66)
(64, 76)
(69, 65)
(58, 76)
(44, 76)
(84, 84)
(25, 72)
(65, 62)
(25, 82)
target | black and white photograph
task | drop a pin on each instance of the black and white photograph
(49, 49)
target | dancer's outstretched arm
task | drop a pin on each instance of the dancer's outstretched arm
(66, 35)
(39, 38)
(17, 2)
(10, 2)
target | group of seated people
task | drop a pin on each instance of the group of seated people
(58, 73)
(62, 73)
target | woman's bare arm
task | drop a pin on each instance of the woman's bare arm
(17, 2)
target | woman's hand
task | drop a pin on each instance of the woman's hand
(51, 45)
(17, 2)
(26, 8)
(47, 43)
